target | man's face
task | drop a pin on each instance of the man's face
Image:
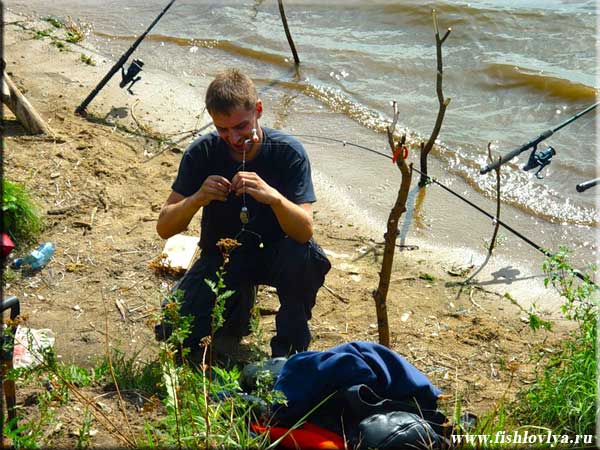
(236, 127)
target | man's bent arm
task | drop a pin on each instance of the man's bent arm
(295, 220)
(176, 214)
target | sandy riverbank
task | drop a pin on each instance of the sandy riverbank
(116, 181)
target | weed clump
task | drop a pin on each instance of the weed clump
(20, 218)
(564, 394)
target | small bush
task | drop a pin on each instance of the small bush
(55, 22)
(564, 394)
(20, 218)
(41, 34)
(87, 60)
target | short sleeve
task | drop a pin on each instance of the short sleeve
(299, 185)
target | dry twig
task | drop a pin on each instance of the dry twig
(336, 295)
(425, 149)
(288, 35)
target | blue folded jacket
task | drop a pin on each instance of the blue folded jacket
(309, 377)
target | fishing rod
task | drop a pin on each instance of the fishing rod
(541, 159)
(447, 189)
(581, 187)
(132, 75)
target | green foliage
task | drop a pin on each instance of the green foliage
(221, 294)
(257, 351)
(83, 437)
(426, 277)
(56, 22)
(20, 218)
(204, 404)
(41, 34)
(564, 394)
(87, 60)
(23, 436)
(74, 35)
(78, 376)
(130, 373)
(59, 45)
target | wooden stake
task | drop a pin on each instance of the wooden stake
(380, 295)
(22, 109)
(287, 32)
(425, 149)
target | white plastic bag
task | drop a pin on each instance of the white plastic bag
(30, 345)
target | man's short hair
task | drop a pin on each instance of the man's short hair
(230, 90)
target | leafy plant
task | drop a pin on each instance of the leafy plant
(564, 394)
(41, 34)
(59, 45)
(74, 36)
(76, 375)
(20, 218)
(83, 437)
(87, 60)
(426, 277)
(133, 374)
(56, 23)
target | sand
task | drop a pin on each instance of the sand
(100, 183)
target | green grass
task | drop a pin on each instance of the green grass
(130, 373)
(20, 218)
(87, 60)
(74, 35)
(426, 276)
(56, 22)
(59, 45)
(41, 34)
(563, 396)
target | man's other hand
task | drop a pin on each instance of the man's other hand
(215, 187)
(250, 183)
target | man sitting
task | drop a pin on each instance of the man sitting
(254, 185)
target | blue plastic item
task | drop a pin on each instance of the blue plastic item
(38, 258)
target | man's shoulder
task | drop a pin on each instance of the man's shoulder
(284, 141)
(203, 143)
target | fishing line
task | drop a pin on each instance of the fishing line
(431, 180)
(244, 214)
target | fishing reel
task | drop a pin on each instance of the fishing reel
(131, 76)
(539, 159)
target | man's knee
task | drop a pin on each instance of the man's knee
(304, 264)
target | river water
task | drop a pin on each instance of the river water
(512, 69)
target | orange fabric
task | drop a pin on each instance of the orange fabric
(400, 149)
(306, 437)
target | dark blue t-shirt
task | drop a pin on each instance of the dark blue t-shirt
(281, 162)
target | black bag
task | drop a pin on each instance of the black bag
(390, 424)
(398, 430)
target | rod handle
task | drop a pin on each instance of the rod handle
(581, 187)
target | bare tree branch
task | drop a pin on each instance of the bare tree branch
(288, 35)
(496, 221)
(442, 101)
(391, 235)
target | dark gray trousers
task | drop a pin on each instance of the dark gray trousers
(296, 270)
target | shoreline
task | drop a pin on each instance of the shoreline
(454, 339)
(162, 103)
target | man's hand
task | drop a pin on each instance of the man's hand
(178, 210)
(252, 184)
(215, 187)
(295, 219)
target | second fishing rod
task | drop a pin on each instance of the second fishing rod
(432, 180)
(542, 158)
